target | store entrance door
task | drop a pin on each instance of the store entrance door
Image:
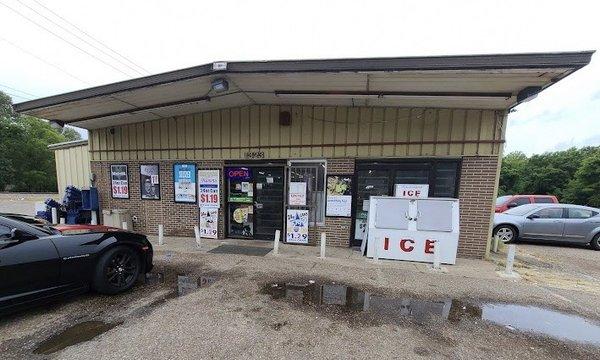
(268, 201)
(255, 201)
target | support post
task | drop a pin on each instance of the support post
(437, 255)
(276, 242)
(510, 259)
(124, 225)
(496, 241)
(376, 252)
(161, 231)
(197, 233)
(94, 218)
(54, 215)
(62, 220)
(323, 244)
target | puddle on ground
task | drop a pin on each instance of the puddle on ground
(73, 335)
(531, 319)
(185, 283)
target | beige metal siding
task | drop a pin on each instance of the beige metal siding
(73, 167)
(316, 131)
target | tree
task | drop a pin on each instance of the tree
(584, 189)
(26, 163)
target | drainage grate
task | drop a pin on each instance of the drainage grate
(242, 250)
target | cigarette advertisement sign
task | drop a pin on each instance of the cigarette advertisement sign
(119, 178)
(184, 179)
(297, 226)
(208, 188)
(209, 219)
(149, 182)
(339, 195)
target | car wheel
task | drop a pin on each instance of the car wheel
(595, 243)
(117, 270)
(506, 233)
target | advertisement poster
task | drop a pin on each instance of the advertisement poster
(184, 183)
(119, 180)
(208, 188)
(297, 194)
(339, 196)
(149, 182)
(297, 226)
(209, 221)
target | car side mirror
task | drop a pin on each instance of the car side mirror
(512, 205)
(533, 216)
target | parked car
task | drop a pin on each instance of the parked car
(39, 263)
(506, 202)
(551, 222)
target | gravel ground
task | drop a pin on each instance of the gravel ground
(22, 203)
(233, 319)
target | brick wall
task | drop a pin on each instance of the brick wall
(338, 229)
(476, 194)
(178, 219)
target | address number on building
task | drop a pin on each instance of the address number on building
(254, 154)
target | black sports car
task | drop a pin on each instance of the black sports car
(38, 263)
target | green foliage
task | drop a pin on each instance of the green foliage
(572, 175)
(26, 163)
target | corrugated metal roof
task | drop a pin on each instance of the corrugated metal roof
(67, 144)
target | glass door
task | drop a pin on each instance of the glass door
(268, 201)
(240, 200)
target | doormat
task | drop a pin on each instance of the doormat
(242, 250)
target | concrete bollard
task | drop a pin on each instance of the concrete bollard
(323, 244)
(376, 252)
(161, 231)
(496, 241)
(276, 242)
(124, 225)
(54, 215)
(94, 218)
(197, 233)
(510, 259)
(437, 255)
(62, 220)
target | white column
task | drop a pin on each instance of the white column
(323, 244)
(510, 259)
(276, 242)
(161, 231)
(54, 215)
(62, 220)
(94, 218)
(197, 233)
(376, 252)
(124, 225)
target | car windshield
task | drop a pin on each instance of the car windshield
(521, 210)
(502, 199)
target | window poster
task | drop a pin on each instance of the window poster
(208, 188)
(184, 183)
(209, 220)
(297, 226)
(339, 196)
(149, 182)
(297, 194)
(119, 181)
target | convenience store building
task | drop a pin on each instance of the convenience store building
(278, 134)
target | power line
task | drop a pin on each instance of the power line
(81, 38)
(45, 61)
(91, 37)
(18, 96)
(21, 91)
(63, 39)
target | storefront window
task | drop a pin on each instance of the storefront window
(313, 174)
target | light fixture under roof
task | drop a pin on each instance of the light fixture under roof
(220, 85)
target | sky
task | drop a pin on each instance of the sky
(149, 37)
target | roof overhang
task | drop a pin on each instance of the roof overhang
(67, 144)
(475, 82)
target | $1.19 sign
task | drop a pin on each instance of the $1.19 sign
(208, 188)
